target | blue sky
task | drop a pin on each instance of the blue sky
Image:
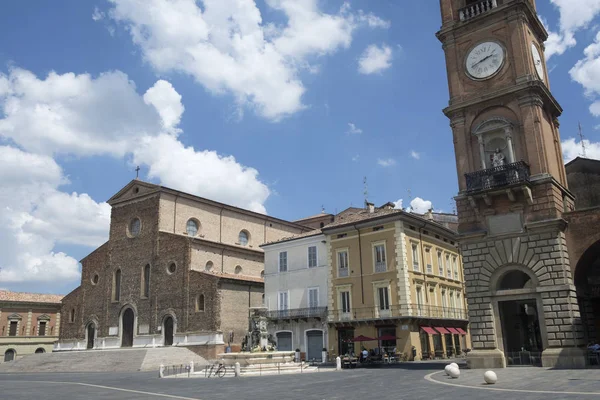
(278, 106)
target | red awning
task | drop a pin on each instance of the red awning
(429, 330)
(453, 331)
(460, 330)
(362, 338)
(441, 330)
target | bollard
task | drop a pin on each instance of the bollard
(191, 367)
(338, 363)
(161, 371)
(237, 369)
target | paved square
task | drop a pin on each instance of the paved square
(406, 381)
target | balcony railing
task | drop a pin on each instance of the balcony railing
(476, 9)
(297, 313)
(380, 267)
(342, 272)
(397, 311)
(497, 177)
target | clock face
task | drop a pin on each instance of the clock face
(537, 61)
(484, 60)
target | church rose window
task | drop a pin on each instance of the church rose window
(135, 227)
(172, 268)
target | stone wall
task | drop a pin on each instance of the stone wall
(236, 300)
(70, 303)
(544, 257)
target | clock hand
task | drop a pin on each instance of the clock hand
(483, 59)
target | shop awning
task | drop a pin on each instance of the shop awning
(441, 330)
(461, 331)
(429, 330)
(362, 338)
(453, 331)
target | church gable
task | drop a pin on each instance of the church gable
(133, 189)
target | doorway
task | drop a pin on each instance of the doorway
(91, 333)
(521, 332)
(127, 325)
(587, 282)
(168, 329)
(284, 341)
(314, 345)
(345, 344)
(9, 355)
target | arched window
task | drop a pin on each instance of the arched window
(135, 227)
(117, 286)
(209, 266)
(40, 350)
(238, 269)
(9, 355)
(515, 280)
(243, 238)
(146, 281)
(172, 268)
(200, 303)
(192, 227)
(262, 273)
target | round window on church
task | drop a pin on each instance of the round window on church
(209, 266)
(238, 269)
(171, 268)
(95, 279)
(135, 227)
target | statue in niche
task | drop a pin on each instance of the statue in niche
(498, 158)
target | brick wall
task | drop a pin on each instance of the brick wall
(68, 329)
(236, 300)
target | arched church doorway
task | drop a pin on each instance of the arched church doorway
(9, 355)
(519, 318)
(127, 328)
(587, 282)
(91, 334)
(168, 330)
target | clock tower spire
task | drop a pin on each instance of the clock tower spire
(512, 184)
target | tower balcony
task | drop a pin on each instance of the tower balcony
(476, 9)
(498, 177)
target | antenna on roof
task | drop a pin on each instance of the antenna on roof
(581, 137)
(409, 199)
(322, 209)
(453, 205)
(366, 190)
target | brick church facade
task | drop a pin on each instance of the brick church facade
(177, 270)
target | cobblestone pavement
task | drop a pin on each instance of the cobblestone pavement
(406, 381)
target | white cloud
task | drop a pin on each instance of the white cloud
(356, 157)
(398, 204)
(387, 162)
(35, 216)
(574, 15)
(587, 73)
(227, 48)
(415, 155)
(353, 130)
(420, 206)
(573, 149)
(167, 103)
(97, 15)
(204, 173)
(375, 59)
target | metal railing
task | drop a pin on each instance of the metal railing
(296, 313)
(496, 177)
(397, 311)
(476, 9)
(380, 266)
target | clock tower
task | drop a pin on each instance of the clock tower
(512, 186)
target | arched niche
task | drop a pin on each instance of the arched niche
(513, 277)
(494, 130)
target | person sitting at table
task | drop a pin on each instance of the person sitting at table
(364, 354)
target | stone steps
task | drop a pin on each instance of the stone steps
(117, 360)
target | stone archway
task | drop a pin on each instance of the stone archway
(127, 327)
(168, 329)
(91, 335)
(587, 282)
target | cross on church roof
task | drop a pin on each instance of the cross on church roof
(137, 172)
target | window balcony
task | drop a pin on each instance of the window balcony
(429, 269)
(396, 312)
(416, 266)
(498, 177)
(380, 267)
(342, 272)
(476, 9)
(297, 313)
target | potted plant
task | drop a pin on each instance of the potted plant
(298, 355)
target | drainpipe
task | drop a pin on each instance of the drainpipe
(175, 212)
(222, 260)
(265, 232)
(362, 286)
(221, 224)
(424, 263)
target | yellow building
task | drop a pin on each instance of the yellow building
(396, 277)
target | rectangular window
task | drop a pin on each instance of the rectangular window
(117, 286)
(419, 301)
(313, 297)
(440, 265)
(345, 302)
(283, 261)
(448, 267)
(415, 257)
(342, 263)
(312, 256)
(283, 301)
(384, 298)
(146, 281)
(444, 303)
(428, 260)
(12, 330)
(380, 262)
(42, 330)
(455, 268)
